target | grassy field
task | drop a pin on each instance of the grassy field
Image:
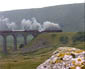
(49, 42)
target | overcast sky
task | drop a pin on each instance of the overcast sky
(6, 5)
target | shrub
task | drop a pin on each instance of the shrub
(79, 37)
(21, 46)
(64, 39)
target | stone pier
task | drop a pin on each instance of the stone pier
(24, 34)
(14, 34)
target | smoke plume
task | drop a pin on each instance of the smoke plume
(27, 25)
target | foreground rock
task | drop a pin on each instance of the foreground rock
(65, 58)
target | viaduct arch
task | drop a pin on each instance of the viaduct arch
(14, 34)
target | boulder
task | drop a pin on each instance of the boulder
(65, 58)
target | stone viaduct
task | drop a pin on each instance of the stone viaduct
(14, 34)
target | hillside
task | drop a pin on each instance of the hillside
(70, 17)
(40, 49)
(54, 40)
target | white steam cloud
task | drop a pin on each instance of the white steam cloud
(6, 25)
(12, 26)
(50, 26)
(27, 25)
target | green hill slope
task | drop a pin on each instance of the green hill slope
(49, 40)
(40, 49)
